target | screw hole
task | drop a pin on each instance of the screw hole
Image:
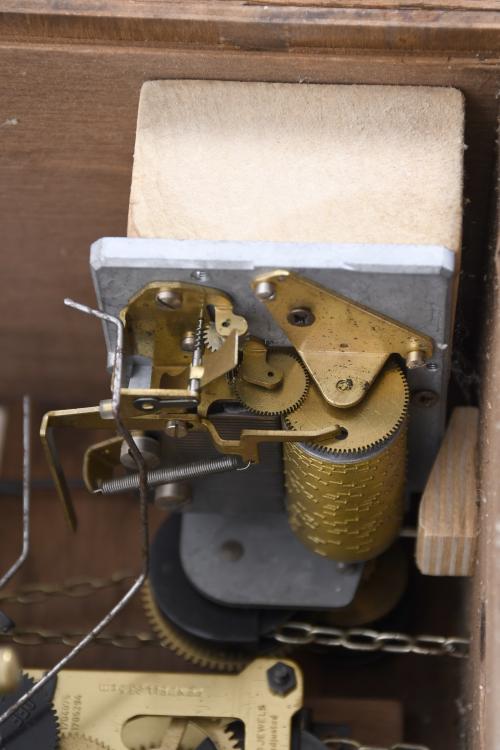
(226, 323)
(232, 551)
(270, 374)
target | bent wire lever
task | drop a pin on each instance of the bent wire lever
(143, 505)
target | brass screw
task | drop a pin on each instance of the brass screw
(176, 428)
(301, 316)
(344, 385)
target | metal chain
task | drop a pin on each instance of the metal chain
(74, 588)
(365, 639)
(292, 634)
(41, 637)
(339, 743)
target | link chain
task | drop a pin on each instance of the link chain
(339, 743)
(365, 639)
(75, 588)
(292, 634)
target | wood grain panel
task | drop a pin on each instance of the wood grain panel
(236, 24)
(68, 116)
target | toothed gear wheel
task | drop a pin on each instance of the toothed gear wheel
(203, 733)
(152, 732)
(81, 742)
(34, 725)
(367, 425)
(187, 646)
(286, 397)
(213, 340)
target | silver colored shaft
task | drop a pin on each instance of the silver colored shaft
(170, 474)
(26, 493)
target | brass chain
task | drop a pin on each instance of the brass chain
(365, 639)
(74, 588)
(292, 634)
(339, 743)
(42, 637)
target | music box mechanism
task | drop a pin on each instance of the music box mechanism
(281, 463)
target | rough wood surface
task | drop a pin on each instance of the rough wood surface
(467, 25)
(447, 522)
(374, 164)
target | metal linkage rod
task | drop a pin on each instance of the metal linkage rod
(167, 475)
(144, 529)
(26, 493)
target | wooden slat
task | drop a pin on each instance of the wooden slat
(236, 24)
(447, 523)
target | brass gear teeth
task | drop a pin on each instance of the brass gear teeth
(74, 741)
(292, 421)
(187, 646)
(214, 729)
(286, 406)
(212, 339)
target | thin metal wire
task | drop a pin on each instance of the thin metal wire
(143, 494)
(26, 493)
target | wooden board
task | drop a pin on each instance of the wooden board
(66, 163)
(447, 521)
(368, 164)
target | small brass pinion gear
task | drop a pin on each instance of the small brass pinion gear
(285, 398)
(192, 649)
(367, 425)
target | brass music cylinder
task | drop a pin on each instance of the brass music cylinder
(345, 498)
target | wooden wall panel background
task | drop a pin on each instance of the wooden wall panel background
(67, 124)
(70, 78)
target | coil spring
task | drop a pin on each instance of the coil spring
(171, 474)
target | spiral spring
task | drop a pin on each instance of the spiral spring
(170, 474)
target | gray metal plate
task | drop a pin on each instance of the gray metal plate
(274, 568)
(412, 284)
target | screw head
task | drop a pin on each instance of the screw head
(265, 290)
(176, 428)
(344, 385)
(170, 299)
(281, 678)
(300, 316)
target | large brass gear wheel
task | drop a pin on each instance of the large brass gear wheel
(190, 648)
(367, 425)
(286, 397)
(154, 732)
(81, 742)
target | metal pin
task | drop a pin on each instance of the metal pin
(26, 493)
(143, 506)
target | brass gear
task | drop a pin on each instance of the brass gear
(213, 340)
(192, 649)
(199, 729)
(75, 741)
(155, 732)
(367, 425)
(286, 397)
